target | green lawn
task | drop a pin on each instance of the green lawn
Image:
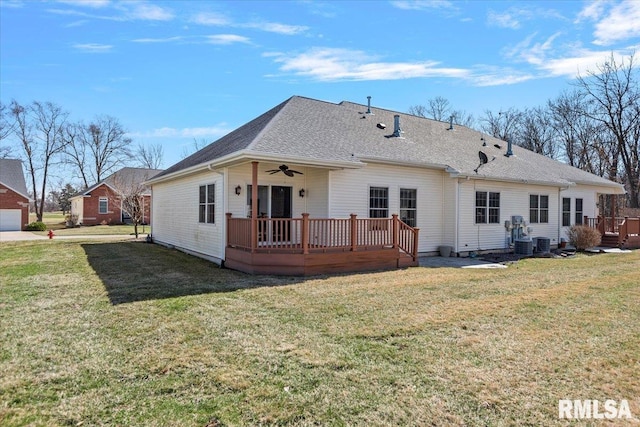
(56, 221)
(128, 333)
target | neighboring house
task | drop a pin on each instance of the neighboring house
(14, 197)
(100, 204)
(352, 168)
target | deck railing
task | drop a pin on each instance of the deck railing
(623, 227)
(308, 235)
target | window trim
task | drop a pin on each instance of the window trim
(384, 210)
(579, 213)
(538, 209)
(106, 205)
(486, 212)
(207, 207)
(414, 209)
(566, 213)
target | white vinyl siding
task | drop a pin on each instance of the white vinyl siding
(514, 200)
(175, 213)
(349, 194)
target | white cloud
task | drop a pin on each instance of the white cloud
(123, 11)
(423, 4)
(580, 63)
(510, 18)
(196, 132)
(227, 39)
(145, 11)
(273, 27)
(535, 53)
(93, 47)
(209, 18)
(622, 23)
(158, 40)
(216, 19)
(330, 64)
(94, 4)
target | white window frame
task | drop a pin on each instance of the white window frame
(538, 210)
(488, 211)
(106, 205)
(207, 207)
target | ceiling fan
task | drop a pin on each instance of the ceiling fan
(284, 169)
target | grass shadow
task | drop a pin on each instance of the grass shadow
(136, 271)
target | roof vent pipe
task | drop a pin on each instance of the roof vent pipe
(451, 122)
(396, 126)
(509, 151)
(368, 105)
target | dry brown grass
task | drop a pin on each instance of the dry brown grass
(134, 334)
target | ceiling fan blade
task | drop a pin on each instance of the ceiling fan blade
(299, 173)
(288, 173)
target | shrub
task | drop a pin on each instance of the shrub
(583, 237)
(71, 220)
(37, 226)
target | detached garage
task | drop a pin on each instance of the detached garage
(14, 198)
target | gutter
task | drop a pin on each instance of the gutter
(248, 155)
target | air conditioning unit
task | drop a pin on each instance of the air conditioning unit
(523, 247)
(542, 244)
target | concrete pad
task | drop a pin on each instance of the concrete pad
(600, 249)
(457, 262)
(15, 236)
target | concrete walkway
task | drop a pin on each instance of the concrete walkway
(456, 262)
(16, 236)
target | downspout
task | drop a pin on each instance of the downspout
(225, 201)
(457, 213)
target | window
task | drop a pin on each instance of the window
(566, 211)
(538, 208)
(103, 205)
(487, 207)
(378, 202)
(579, 212)
(207, 204)
(408, 206)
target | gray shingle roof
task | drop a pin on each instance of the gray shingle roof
(12, 176)
(326, 132)
(124, 175)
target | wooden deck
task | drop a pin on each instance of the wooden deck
(620, 232)
(309, 246)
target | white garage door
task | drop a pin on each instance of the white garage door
(10, 219)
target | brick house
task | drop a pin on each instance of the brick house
(100, 203)
(14, 197)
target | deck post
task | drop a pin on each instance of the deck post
(354, 232)
(395, 228)
(228, 223)
(254, 206)
(305, 233)
(613, 213)
(415, 243)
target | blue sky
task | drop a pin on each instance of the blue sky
(172, 72)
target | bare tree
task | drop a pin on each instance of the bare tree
(38, 127)
(536, 132)
(440, 109)
(580, 138)
(613, 93)
(132, 196)
(6, 129)
(97, 149)
(197, 146)
(150, 157)
(76, 151)
(505, 125)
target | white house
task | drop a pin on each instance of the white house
(369, 179)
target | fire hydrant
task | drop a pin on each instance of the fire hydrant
(50, 234)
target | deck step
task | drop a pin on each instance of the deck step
(609, 241)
